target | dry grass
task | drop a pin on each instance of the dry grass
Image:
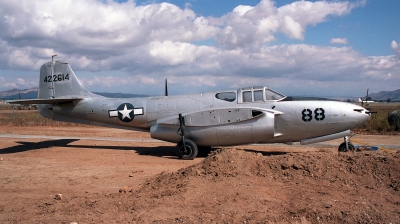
(31, 118)
(379, 123)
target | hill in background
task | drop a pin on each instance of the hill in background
(13, 94)
(384, 95)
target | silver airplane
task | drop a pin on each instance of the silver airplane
(235, 117)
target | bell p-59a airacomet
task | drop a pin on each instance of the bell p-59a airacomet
(244, 116)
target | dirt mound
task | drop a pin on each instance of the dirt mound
(237, 186)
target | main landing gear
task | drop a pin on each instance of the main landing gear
(186, 148)
(346, 145)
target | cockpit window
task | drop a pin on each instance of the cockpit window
(227, 96)
(271, 95)
(258, 95)
(247, 96)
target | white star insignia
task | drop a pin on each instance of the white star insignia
(125, 113)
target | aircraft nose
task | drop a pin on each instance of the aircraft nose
(363, 114)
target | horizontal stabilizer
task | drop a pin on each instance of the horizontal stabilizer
(43, 101)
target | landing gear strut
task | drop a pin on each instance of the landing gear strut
(346, 145)
(186, 148)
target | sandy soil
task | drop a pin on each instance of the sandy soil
(65, 179)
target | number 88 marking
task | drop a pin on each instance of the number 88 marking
(319, 114)
(307, 114)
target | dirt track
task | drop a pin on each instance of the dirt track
(141, 181)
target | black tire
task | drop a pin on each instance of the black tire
(342, 147)
(394, 119)
(189, 153)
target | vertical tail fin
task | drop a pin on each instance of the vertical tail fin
(57, 80)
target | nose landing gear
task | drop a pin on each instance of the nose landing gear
(185, 149)
(346, 145)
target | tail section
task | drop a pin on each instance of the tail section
(57, 80)
(57, 85)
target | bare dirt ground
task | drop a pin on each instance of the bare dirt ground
(138, 180)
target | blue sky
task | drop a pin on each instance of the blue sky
(318, 48)
(369, 29)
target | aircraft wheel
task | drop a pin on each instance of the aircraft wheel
(189, 153)
(342, 147)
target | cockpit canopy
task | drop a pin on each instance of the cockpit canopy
(250, 94)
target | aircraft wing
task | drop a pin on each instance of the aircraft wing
(219, 116)
(219, 126)
(43, 101)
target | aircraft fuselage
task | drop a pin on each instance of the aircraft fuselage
(289, 121)
(248, 115)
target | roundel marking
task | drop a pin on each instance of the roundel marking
(126, 112)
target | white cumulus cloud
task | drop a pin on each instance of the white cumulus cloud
(395, 47)
(248, 25)
(339, 41)
(128, 47)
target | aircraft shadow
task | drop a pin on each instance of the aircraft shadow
(160, 151)
(273, 153)
(27, 146)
